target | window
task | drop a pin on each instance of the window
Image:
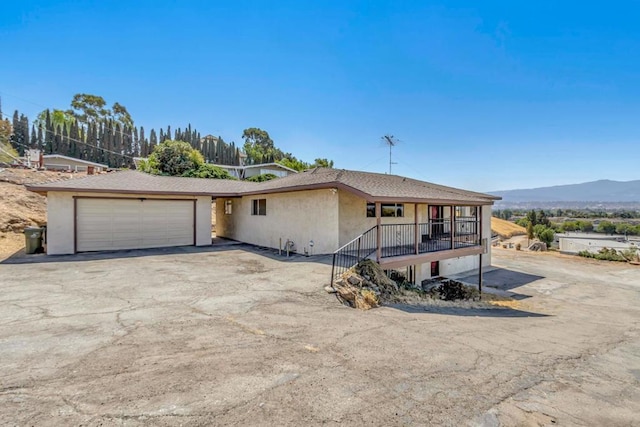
(466, 211)
(371, 210)
(259, 207)
(388, 210)
(228, 207)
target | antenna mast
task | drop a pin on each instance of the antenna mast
(391, 141)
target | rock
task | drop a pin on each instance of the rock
(330, 289)
(355, 280)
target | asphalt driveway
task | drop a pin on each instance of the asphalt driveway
(234, 335)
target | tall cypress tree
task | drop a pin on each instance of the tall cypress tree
(49, 135)
(33, 143)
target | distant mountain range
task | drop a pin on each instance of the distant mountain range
(597, 192)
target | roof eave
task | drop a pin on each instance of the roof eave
(45, 190)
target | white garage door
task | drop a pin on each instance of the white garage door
(110, 224)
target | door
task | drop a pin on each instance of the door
(113, 224)
(435, 268)
(436, 215)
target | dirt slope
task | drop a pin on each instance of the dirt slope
(20, 208)
(506, 229)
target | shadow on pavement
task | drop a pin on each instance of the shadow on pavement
(218, 245)
(462, 311)
(502, 278)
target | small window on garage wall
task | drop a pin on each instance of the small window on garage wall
(259, 207)
(228, 207)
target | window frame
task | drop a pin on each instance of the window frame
(259, 207)
(397, 208)
(228, 207)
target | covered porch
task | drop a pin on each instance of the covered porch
(448, 231)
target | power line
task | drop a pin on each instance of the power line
(79, 141)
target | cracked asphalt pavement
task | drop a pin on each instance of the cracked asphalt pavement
(235, 335)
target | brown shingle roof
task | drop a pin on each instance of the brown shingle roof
(134, 182)
(371, 186)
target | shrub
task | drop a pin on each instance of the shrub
(604, 254)
(262, 178)
(452, 290)
(206, 170)
(518, 246)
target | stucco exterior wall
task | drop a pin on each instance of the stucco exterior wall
(299, 216)
(60, 238)
(354, 221)
(60, 221)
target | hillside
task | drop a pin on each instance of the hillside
(603, 191)
(20, 208)
(506, 229)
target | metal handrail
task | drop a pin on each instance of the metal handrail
(350, 254)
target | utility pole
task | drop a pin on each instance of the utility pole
(391, 141)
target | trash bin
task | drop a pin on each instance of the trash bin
(33, 240)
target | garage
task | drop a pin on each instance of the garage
(130, 210)
(122, 223)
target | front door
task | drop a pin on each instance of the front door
(437, 225)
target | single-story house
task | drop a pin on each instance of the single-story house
(66, 163)
(246, 172)
(400, 222)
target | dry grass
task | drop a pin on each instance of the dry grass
(506, 229)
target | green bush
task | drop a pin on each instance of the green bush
(207, 170)
(262, 178)
(604, 254)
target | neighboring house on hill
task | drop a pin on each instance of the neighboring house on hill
(245, 172)
(66, 163)
(401, 222)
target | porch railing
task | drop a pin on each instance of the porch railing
(400, 240)
(349, 255)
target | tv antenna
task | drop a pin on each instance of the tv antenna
(391, 141)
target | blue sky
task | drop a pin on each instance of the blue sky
(481, 95)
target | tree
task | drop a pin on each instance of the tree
(585, 226)
(89, 108)
(624, 228)
(7, 153)
(541, 218)
(532, 217)
(173, 158)
(258, 146)
(206, 170)
(606, 227)
(529, 231)
(538, 229)
(58, 117)
(5, 131)
(293, 163)
(262, 178)
(322, 163)
(121, 115)
(547, 236)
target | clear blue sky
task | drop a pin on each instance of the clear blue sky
(482, 95)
